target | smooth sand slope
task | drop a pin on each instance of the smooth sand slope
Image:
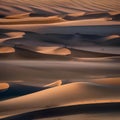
(69, 94)
(12, 90)
(4, 50)
(109, 81)
(35, 71)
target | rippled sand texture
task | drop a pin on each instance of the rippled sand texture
(59, 59)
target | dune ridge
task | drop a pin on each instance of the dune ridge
(69, 94)
(59, 59)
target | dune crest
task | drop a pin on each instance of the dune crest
(54, 84)
(48, 49)
(68, 94)
(18, 16)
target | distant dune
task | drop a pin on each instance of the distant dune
(60, 6)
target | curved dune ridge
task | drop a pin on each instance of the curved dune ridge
(48, 50)
(18, 16)
(109, 81)
(55, 53)
(32, 20)
(70, 27)
(48, 7)
(7, 50)
(11, 35)
(54, 84)
(111, 37)
(17, 90)
(4, 86)
(53, 50)
(64, 95)
(15, 34)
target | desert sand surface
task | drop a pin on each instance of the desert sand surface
(59, 59)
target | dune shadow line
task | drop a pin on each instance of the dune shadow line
(68, 110)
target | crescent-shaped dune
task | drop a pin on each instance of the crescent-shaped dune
(69, 94)
(54, 84)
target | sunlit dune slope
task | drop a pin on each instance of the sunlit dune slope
(4, 50)
(69, 94)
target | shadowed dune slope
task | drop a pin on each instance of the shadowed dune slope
(68, 110)
(89, 54)
(16, 90)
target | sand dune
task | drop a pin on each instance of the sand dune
(89, 54)
(16, 90)
(47, 8)
(112, 37)
(26, 53)
(54, 84)
(51, 53)
(4, 50)
(99, 111)
(3, 86)
(109, 81)
(18, 16)
(53, 50)
(11, 35)
(30, 20)
(75, 42)
(36, 72)
(69, 94)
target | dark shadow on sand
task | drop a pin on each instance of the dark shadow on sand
(69, 110)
